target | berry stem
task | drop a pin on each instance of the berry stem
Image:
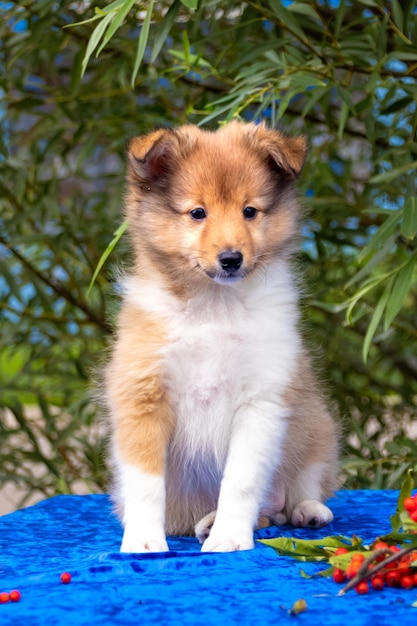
(364, 572)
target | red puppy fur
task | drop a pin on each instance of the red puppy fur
(217, 417)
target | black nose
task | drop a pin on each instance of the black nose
(230, 260)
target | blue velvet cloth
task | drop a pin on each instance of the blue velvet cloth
(80, 534)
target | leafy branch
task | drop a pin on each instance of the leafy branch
(57, 287)
(340, 551)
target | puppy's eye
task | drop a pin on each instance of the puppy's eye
(198, 214)
(249, 212)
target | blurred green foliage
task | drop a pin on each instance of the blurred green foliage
(77, 79)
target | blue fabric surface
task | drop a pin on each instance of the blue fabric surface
(79, 534)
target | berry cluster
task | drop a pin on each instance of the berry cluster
(383, 566)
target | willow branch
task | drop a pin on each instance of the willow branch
(58, 288)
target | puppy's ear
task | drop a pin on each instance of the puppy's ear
(289, 153)
(286, 153)
(152, 157)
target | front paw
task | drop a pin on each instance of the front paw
(204, 526)
(143, 544)
(311, 513)
(228, 542)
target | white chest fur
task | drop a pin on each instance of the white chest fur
(228, 346)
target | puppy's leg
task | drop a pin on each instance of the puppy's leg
(305, 504)
(143, 495)
(142, 427)
(141, 442)
(258, 432)
(204, 526)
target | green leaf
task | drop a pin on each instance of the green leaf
(330, 307)
(95, 39)
(285, 101)
(187, 50)
(164, 29)
(398, 105)
(195, 60)
(369, 3)
(76, 73)
(405, 492)
(287, 19)
(142, 41)
(373, 261)
(323, 573)
(372, 83)
(303, 9)
(306, 549)
(346, 97)
(314, 97)
(190, 4)
(96, 17)
(409, 221)
(408, 525)
(343, 118)
(117, 236)
(368, 286)
(306, 80)
(397, 14)
(404, 55)
(218, 111)
(117, 21)
(387, 177)
(380, 236)
(376, 318)
(401, 287)
(113, 6)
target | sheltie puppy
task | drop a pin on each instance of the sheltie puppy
(217, 419)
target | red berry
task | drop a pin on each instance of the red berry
(410, 504)
(352, 569)
(393, 564)
(377, 583)
(407, 582)
(15, 595)
(339, 575)
(393, 578)
(341, 551)
(404, 568)
(381, 545)
(413, 516)
(358, 558)
(4, 597)
(362, 587)
(414, 576)
(65, 578)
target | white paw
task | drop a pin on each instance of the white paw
(203, 528)
(230, 542)
(140, 544)
(311, 513)
(279, 519)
